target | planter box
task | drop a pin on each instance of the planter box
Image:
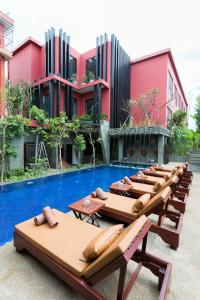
(178, 158)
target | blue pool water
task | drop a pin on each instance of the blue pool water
(21, 201)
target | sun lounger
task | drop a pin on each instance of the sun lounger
(120, 208)
(178, 197)
(157, 173)
(61, 250)
(147, 179)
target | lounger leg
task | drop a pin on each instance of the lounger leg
(122, 276)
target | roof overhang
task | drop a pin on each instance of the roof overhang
(6, 55)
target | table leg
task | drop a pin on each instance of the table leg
(94, 221)
(78, 215)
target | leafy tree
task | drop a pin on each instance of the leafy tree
(79, 144)
(59, 128)
(10, 127)
(39, 115)
(178, 119)
(197, 114)
(18, 98)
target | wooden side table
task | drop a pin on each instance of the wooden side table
(120, 188)
(88, 211)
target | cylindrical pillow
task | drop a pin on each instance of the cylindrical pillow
(40, 219)
(152, 169)
(127, 180)
(140, 203)
(101, 194)
(101, 242)
(93, 194)
(50, 217)
(156, 186)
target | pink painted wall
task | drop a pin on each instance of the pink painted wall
(25, 64)
(146, 75)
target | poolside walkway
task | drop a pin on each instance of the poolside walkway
(22, 277)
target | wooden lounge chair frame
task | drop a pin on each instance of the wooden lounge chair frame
(168, 235)
(158, 267)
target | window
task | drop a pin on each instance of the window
(91, 65)
(176, 95)
(179, 101)
(89, 106)
(169, 114)
(170, 86)
(72, 68)
(74, 107)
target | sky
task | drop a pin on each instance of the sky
(143, 27)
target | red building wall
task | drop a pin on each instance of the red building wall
(26, 64)
(146, 75)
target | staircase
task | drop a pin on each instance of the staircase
(194, 159)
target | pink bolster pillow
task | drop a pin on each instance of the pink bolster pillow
(127, 180)
(101, 194)
(50, 217)
(40, 219)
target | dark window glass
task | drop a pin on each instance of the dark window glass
(46, 105)
(91, 65)
(176, 95)
(74, 107)
(170, 86)
(169, 114)
(89, 106)
(72, 68)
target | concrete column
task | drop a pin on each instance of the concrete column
(18, 161)
(161, 143)
(120, 149)
(105, 140)
(53, 158)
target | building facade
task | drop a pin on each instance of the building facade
(97, 83)
(93, 83)
(158, 71)
(6, 40)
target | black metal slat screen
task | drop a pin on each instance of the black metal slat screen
(120, 82)
(50, 51)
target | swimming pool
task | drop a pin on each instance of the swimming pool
(23, 200)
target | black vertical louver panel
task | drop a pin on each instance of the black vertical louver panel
(105, 46)
(46, 53)
(68, 56)
(120, 82)
(64, 55)
(58, 98)
(52, 50)
(40, 92)
(97, 58)
(51, 102)
(100, 58)
(49, 51)
(60, 52)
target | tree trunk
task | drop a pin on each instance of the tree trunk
(79, 154)
(3, 154)
(60, 158)
(93, 154)
(36, 148)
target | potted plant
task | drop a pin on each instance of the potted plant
(73, 78)
(90, 76)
